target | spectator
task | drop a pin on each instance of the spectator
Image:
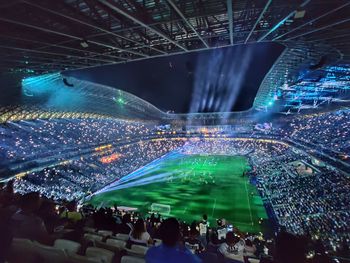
(249, 250)
(125, 227)
(193, 243)
(221, 229)
(232, 248)
(139, 234)
(203, 229)
(71, 212)
(170, 251)
(25, 221)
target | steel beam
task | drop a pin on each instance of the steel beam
(137, 21)
(320, 28)
(258, 20)
(312, 20)
(59, 46)
(178, 11)
(280, 23)
(47, 30)
(230, 19)
(53, 53)
(20, 63)
(108, 32)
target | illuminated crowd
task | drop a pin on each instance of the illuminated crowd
(77, 178)
(316, 204)
(327, 132)
(34, 139)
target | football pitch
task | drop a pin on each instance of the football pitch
(188, 186)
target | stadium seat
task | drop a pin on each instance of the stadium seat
(90, 230)
(237, 258)
(105, 233)
(50, 254)
(253, 260)
(122, 237)
(129, 259)
(137, 250)
(93, 237)
(82, 259)
(19, 244)
(67, 245)
(116, 243)
(104, 245)
(157, 241)
(22, 250)
(103, 255)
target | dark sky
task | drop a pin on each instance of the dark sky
(178, 82)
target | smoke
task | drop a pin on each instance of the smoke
(218, 82)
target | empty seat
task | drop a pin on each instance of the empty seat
(90, 230)
(82, 259)
(130, 259)
(67, 245)
(22, 250)
(105, 233)
(50, 254)
(253, 260)
(139, 249)
(103, 255)
(104, 245)
(93, 237)
(157, 241)
(122, 237)
(21, 244)
(116, 243)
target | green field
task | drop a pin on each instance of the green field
(192, 185)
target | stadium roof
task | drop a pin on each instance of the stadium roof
(45, 36)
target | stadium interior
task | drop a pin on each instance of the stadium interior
(175, 131)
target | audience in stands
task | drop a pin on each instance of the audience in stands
(139, 234)
(249, 250)
(125, 227)
(193, 242)
(232, 249)
(203, 229)
(40, 219)
(170, 251)
(26, 222)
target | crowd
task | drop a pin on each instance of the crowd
(327, 132)
(78, 177)
(34, 139)
(315, 204)
(37, 218)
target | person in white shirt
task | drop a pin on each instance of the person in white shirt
(139, 234)
(221, 229)
(232, 248)
(203, 230)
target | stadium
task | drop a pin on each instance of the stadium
(221, 127)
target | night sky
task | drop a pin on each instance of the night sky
(169, 82)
